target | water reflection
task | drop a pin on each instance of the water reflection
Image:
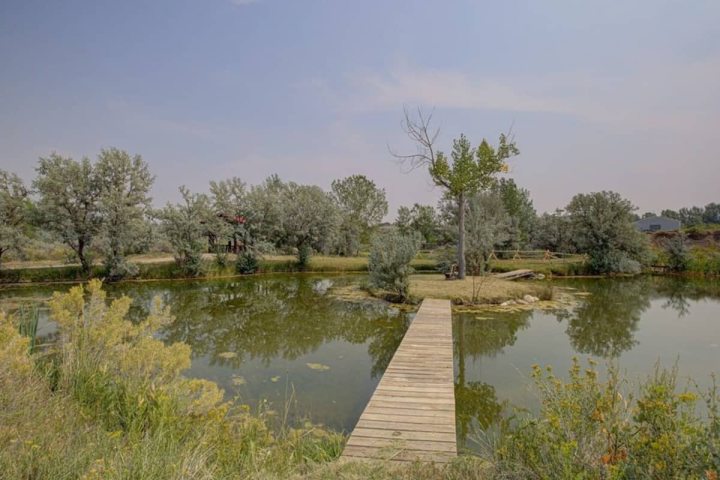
(633, 321)
(271, 337)
(477, 336)
(604, 323)
(266, 318)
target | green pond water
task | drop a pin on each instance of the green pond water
(290, 341)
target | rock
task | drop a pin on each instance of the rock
(509, 303)
(521, 302)
(529, 299)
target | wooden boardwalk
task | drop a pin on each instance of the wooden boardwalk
(411, 415)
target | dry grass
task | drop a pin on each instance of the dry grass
(489, 290)
(572, 265)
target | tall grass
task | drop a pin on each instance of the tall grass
(28, 318)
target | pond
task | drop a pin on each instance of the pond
(290, 341)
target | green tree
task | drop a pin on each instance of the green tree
(519, 207)
(487, 226)
(602, 227)
(124, 201)
(678, 253)
(265, 211)
(552, 232)
(230, 205)
(421, 219)
(712, 213)
(670, 214)
(69, 202)
(691, 216)
(184, 225)
(467, 171)
(362, 205)
(310, 219)
(13, 212)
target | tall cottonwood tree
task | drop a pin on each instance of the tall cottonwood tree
(124, 200)
(69, 194)
(468, 170)
(13, 212)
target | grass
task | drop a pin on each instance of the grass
(568, 266)
(488, 290)
(154, 267)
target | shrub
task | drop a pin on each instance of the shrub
(118, 268)
(678, 254)
(389, 263)
(303, 255)
(247, 263)
(589, 428)
(602, 227)
(705, 261)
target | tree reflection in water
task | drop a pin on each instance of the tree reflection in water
(475, 336)
(264, 318)
(604, 323)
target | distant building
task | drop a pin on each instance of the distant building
(657, 224)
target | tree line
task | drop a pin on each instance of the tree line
(104, 208)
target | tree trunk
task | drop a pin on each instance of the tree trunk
(461, 236)
(81, 255)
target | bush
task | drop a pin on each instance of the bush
(678, 254)
(602, 227)
(118, 268)
(191, 264)
(247, 263)
(589, 428)
(389, 263)
(304, 253)
(613, 261)
(705, 261)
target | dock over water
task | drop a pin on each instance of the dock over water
(411, 415)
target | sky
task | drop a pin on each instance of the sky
(600, 95)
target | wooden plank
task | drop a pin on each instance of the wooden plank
(411, 415)
(357, 453)
(427, 446)
(400, 424)
(388, 415)
(404, 434)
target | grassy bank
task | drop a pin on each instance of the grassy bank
(568, 266)
(154, 267)
(479, 290)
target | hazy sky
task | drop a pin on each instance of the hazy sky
(602, 95)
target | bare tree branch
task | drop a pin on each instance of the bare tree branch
(423, 136)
